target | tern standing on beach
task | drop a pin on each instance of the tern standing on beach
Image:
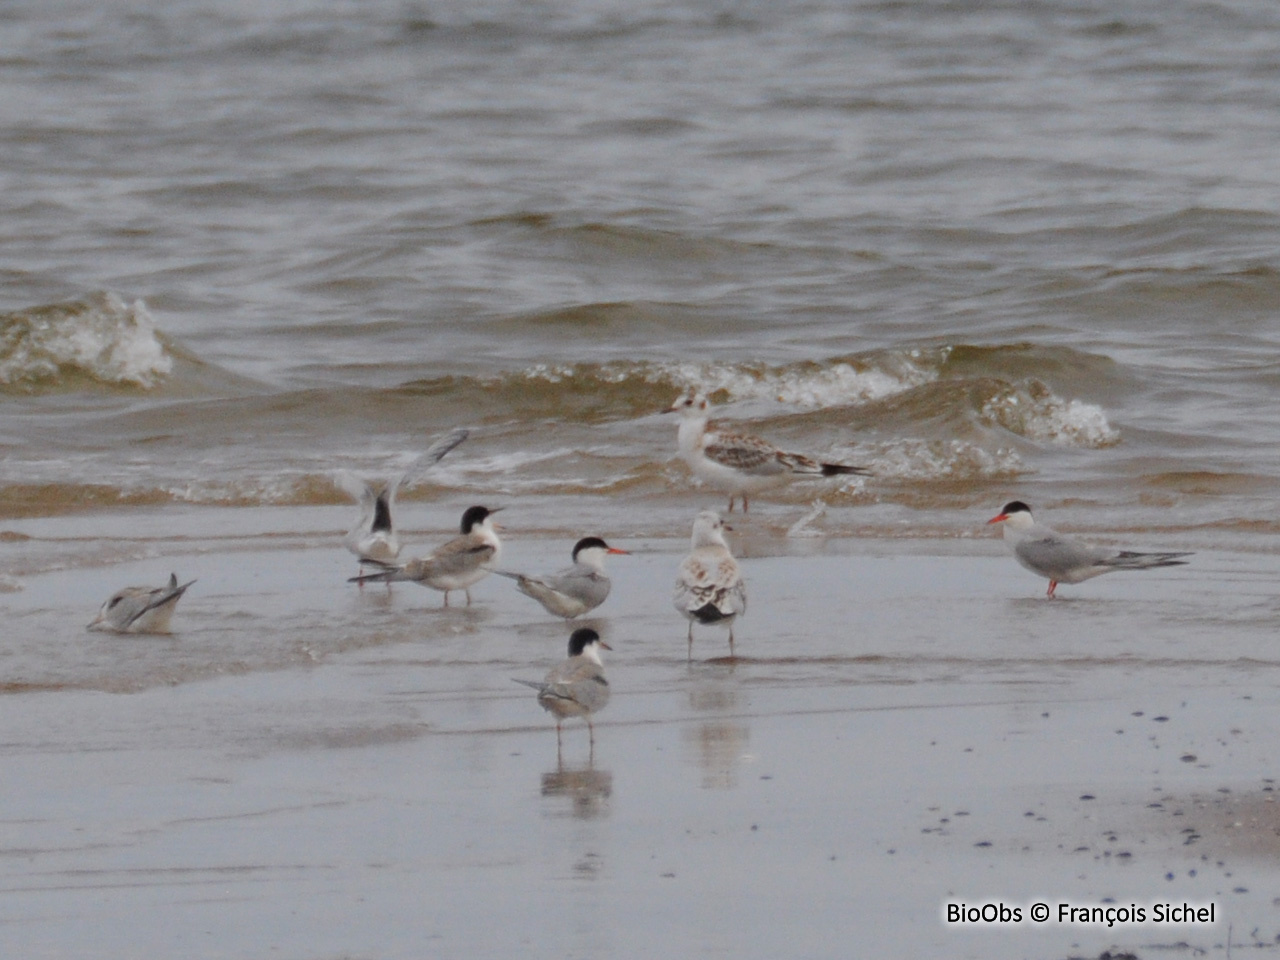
(574, 590)
(1064, 560)
(575, 687)
(374, 539)
(457, 565)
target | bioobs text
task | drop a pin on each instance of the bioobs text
(984, 913)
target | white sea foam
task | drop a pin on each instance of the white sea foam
(1033, 411)
(101, 337)
(811, 386)
(804, 385)
(914, 458)
(245, 490)
(517, 471)
(556, 373)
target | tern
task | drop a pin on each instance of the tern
(140, 609)
(1063, 559)
(736, 463)
(373, 539)
(709, 587)
(575, 590)
(456, 565)
(577, 686)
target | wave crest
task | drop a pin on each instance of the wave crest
(841, 381)
(1031, 410)
(954, 388)
(917, 459)
(812, 385)
(100, 339)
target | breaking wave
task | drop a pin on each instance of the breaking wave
(918, 459)
(917, 418)
(989, 386)
(809, 384)
(97, 340)
(1033, 411)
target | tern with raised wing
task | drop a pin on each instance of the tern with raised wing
(457, 565)
(374, 539)
(1063, 559)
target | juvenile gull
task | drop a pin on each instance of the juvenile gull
(709, 587)
(736, 463)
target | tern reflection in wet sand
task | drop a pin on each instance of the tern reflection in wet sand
(1063, 559)
(589, 789)
(577, 687)
(709, 586)
(140, 609)
(373, 539)
(457, 565)
(575, 590)
(738, 464)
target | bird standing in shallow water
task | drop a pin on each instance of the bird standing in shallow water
(373, 539)
(575, 590)
(140, 609)
(709, 587)
(1065, 560)
(576, 687)
(736, 463)
(457, 565)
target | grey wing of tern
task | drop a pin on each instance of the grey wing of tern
(1056, 556)
(433, 454)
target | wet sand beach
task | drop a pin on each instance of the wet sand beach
(986, 251)
(305, 769)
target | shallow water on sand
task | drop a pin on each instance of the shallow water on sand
(323, 771)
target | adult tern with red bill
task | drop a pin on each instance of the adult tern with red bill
(575, 590)
(1063, 559)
